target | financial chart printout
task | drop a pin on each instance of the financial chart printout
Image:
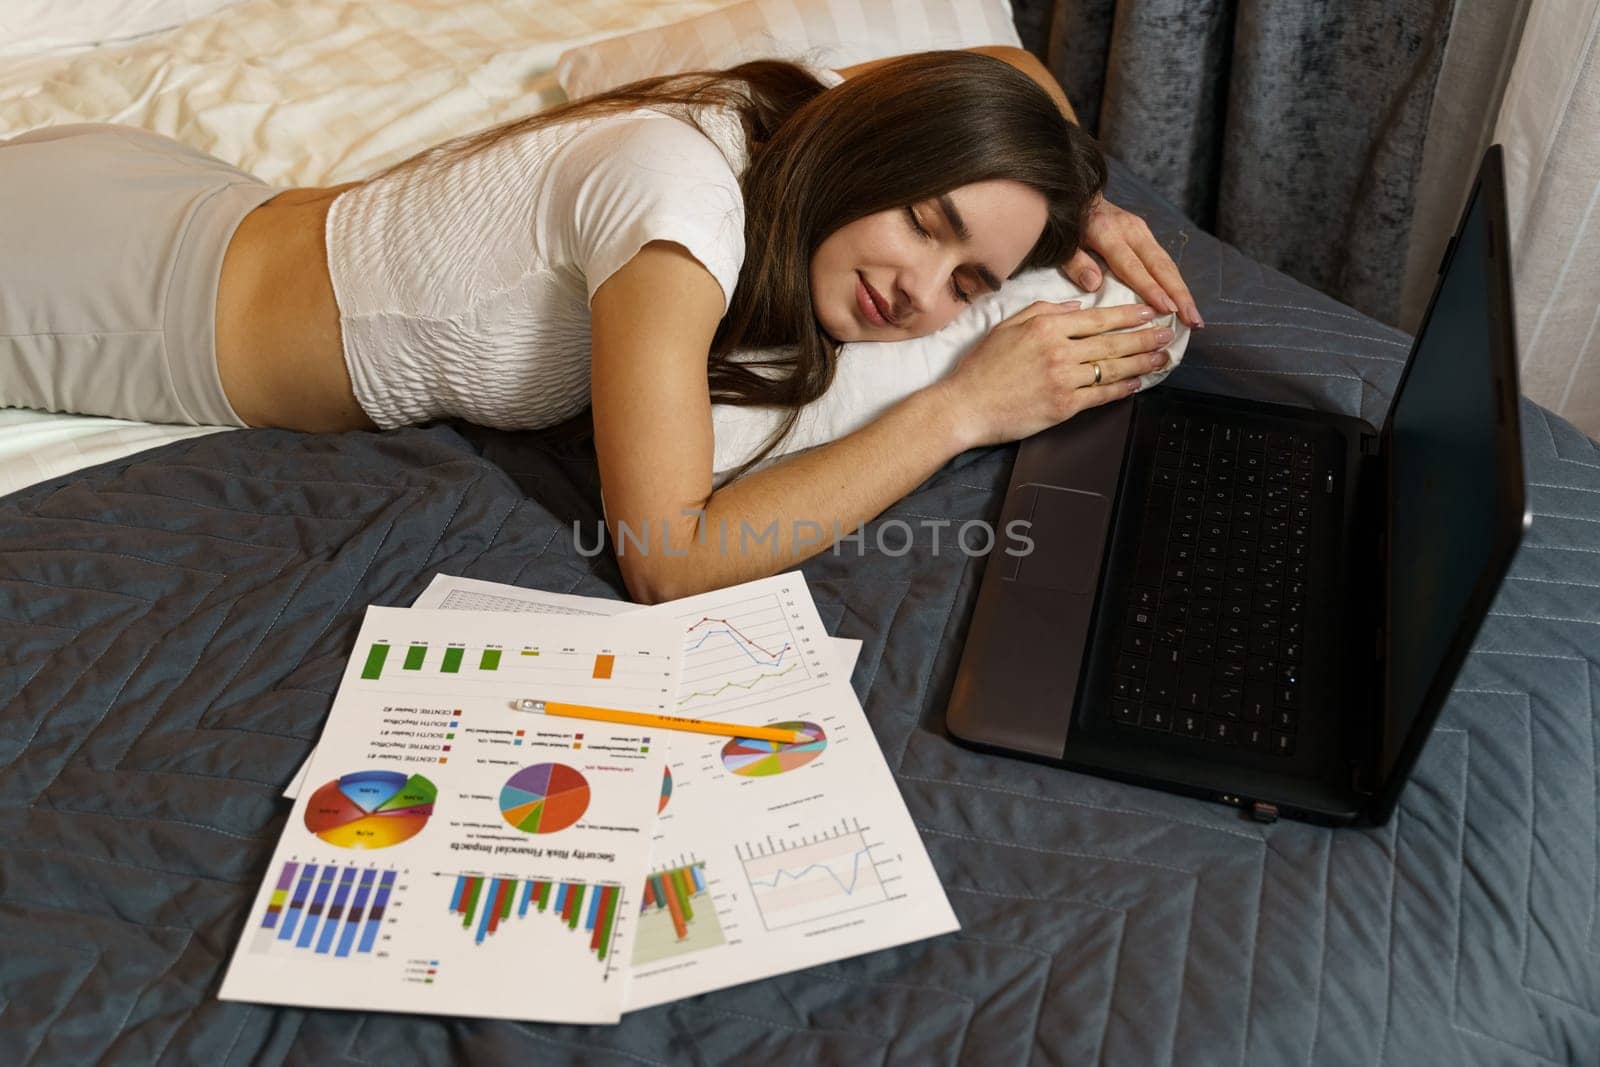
(774, 856)
(451, 853)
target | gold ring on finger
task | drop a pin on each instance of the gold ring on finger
(1096, 366)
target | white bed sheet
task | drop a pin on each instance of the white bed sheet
(298, 92)
(37, 445)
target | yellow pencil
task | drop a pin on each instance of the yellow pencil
(665, 722)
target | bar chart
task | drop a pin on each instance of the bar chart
(485, 904)
(676, 915)
(816, 877)
(327, 910)
(420, 657)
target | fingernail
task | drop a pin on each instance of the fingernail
(1090, 279)
(1166, 302)
(1072, 303)
(1161, 357)
(1146, 314)
(1194, 317)
(1164, 336)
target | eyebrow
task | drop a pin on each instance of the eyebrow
(959, 225)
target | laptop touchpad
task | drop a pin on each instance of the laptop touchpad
(1069, 534)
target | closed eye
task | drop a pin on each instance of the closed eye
(915, 225)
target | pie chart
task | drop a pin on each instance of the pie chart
(370, 809)
(666, 789)
(544, 798)
(761, 759)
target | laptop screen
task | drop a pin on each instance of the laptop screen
(1449, 487)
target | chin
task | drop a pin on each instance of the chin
(832, 333)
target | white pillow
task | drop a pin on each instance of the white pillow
(30, 27)
(873, 376)
(828, 33)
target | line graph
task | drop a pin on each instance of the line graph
(817, 877)
(746, 684)
(749, 650)
(749, 646)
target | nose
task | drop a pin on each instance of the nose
(921, 291)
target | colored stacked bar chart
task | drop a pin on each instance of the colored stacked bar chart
(489, 903)
(325, 910)
(676, 915)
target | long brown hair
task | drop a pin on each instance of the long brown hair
(908, 130)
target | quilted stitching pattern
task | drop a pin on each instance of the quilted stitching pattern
(175, 624)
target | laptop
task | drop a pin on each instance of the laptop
(1259, 604)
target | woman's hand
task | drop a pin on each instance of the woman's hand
(1045, 364)
(1123, 240)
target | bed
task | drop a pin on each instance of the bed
(175, 621)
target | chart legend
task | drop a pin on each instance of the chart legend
(370, 809)
(759, 759)
(326, 910)
(486, 904)
(676, 915)
(544, 798)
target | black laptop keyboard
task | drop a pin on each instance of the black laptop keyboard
(1212, 645)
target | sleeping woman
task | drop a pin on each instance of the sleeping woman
(617, 252)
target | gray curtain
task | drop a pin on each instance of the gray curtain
(1295, 131)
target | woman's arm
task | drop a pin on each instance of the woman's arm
(652, 326)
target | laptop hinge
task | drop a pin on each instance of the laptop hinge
(1361, 770)
(1364, 767)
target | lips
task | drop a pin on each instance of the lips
(879, 305)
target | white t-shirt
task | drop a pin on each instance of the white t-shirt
(464, 288)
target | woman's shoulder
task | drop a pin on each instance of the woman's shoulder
(644, 177)
(660, 140)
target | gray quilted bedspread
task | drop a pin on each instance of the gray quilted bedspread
(174, 626)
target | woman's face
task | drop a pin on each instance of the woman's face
(880, 261)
